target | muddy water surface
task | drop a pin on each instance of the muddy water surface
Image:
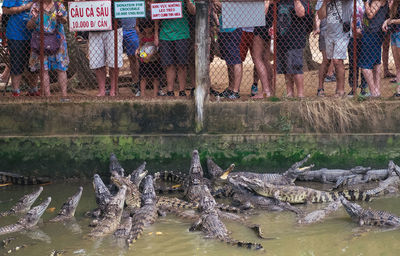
(337, 235)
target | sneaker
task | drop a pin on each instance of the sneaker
(254, 89)
(226, 93)
(320, 92)
(365, 93)
(16, 94)
(351, 93)
(170, 94)
(138, 93)
(160, 93)
(182, 94)
(234, 96)
(214, 92)
(331, 78)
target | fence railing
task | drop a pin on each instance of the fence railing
(254, 49)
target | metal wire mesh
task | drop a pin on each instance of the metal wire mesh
(293, 53)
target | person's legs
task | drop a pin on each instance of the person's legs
(369, 77)
(62, 80)
(259, 47)
(156, 85)
(114, 72)
(323, 68)
(134, 67)
(170, 71)
(377, 79)
(385, 56)
(396, 57)
(46, 83)
(143, 83)
(299, 81)
(182, 71)
(101, 80)
(237, 76)
(340, 73)
(289, 78)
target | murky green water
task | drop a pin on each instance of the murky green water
(337, 235)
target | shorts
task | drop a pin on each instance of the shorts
(229, 46)
(336, 48)
(321, 42)
(19, 55)
(371, 52)
(174, 52)
(395, 39)
(150, 70)
(263, 33)
(246, 43)
(101, 49)
(290, 61)
(131, 42)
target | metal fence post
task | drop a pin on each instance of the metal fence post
(355, 75)
(202, 58)
(41, 48)
(274, 25)
(116, 55)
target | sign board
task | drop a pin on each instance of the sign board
(129, 9)
(167, 10)
(90, 16)
(235, 14)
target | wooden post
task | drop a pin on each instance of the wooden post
(202, 59)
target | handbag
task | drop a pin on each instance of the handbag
(346, 25)
(51, 43)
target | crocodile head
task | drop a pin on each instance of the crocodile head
(102, 193)
(213, 169)
(32, 217)
(148, 194)
(69, 207)
(353, 209)
(116, 205)
(195, 166)
(241, 182)
(27, 201)
(115, 166)
(224, 176)
(138, 174)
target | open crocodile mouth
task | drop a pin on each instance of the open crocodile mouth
(224, 176)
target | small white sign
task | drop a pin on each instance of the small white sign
(131, 9)
(90, 16)
(234, 14)
(167, 10)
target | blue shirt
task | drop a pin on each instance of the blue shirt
(16, 26)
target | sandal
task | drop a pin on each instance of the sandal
(320, 92)
(389, 75)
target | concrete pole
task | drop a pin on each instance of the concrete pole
(202, 57)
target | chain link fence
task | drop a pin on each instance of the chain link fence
(293, 48)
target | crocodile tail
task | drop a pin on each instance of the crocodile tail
(176, 203)
(227, 208)
(247, 245)
(170, 176)
(354, 195)
(136, 232)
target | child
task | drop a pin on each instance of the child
(149, 68)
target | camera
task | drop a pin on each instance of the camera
(346, 27)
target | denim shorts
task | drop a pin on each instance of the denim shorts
(290, 61)
(371, 52)
(131, 42)
(229, 46)
(395, 39)
(19, 55)
(174, 52)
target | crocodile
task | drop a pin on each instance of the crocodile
(390, 185)
(318, 215)
(138, 174)
(215, 171)
(103, 196)
(147, 214)
(115, 166)
(368, 216)
(111, 216)
(68, 208)
(132, 198)
(298, 194)
(29, 220)
(246, 199)
(24, 203)
(211, 225)
(287, 178)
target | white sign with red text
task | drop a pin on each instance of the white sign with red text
(90, 16)
(167, 10)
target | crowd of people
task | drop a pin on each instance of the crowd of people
(161, 51)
